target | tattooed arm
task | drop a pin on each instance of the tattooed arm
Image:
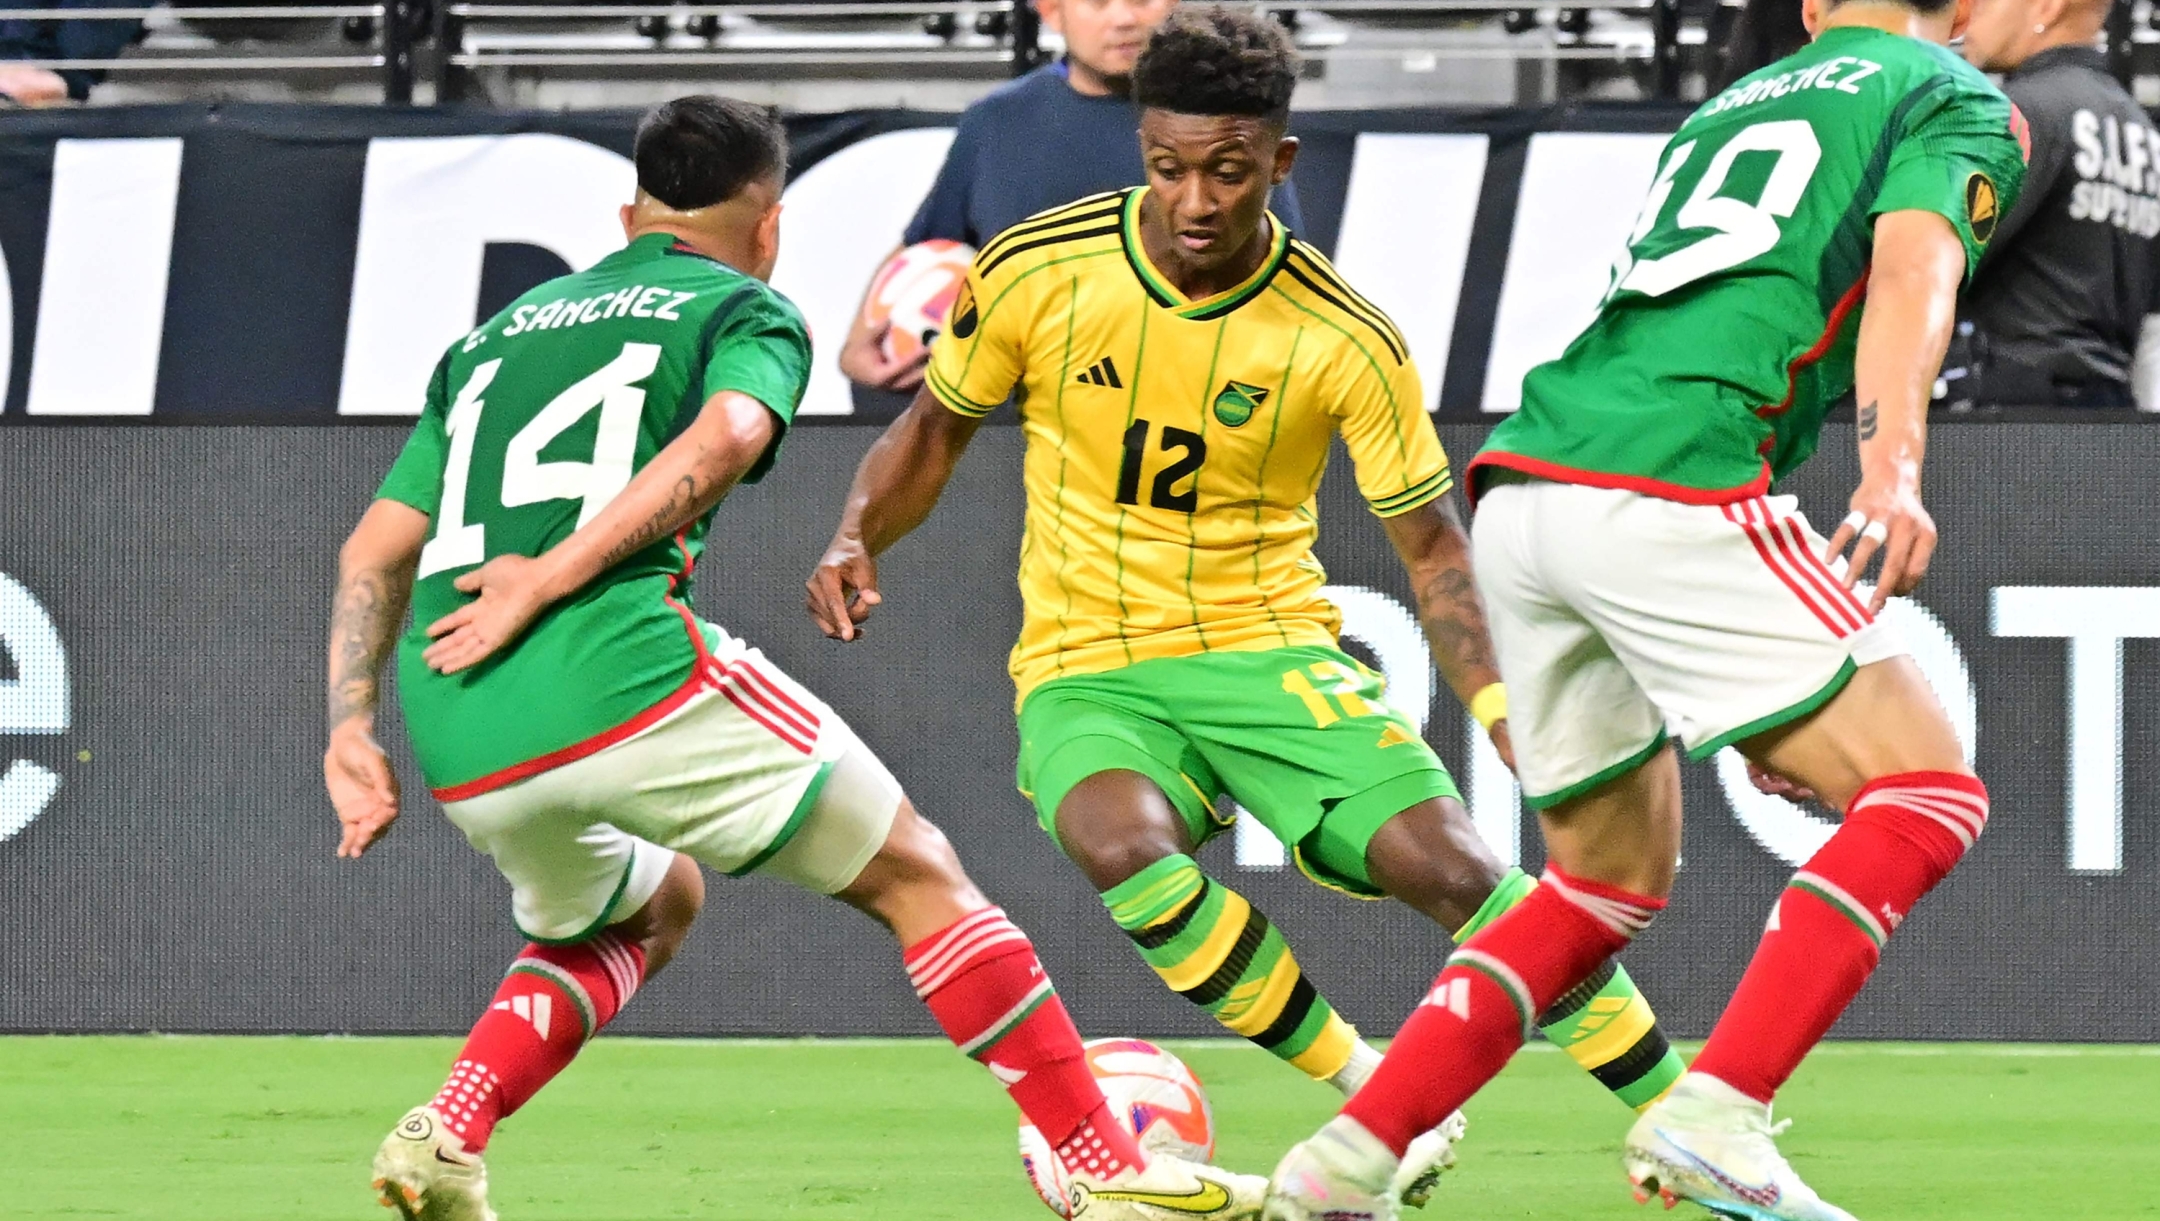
(681, 484)
(1435, 549)
(1912, 289)
(375, 574)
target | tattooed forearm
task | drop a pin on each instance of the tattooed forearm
(1454, 621)
(681, 504)
(363, 621)
(1435, 551)
(1867, 422)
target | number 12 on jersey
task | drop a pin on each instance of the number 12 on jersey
(1192, 450)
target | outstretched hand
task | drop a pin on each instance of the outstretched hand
(511, 595)
(1887, 519)
(363, 789)
(843, 590)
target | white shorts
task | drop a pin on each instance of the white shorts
(1620, 617)
(753, 774)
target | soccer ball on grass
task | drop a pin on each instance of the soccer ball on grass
(1151, 1092)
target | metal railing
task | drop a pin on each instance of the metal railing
(1014, 38)
(396, 21)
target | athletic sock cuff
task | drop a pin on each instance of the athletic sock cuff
(1942, 813)
(1622, 912)
(1155, 893)
(976, 938)
(599, 976)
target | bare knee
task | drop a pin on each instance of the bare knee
(915, 885)
(1623, 833)
(1115, 824)
(661, 925)
(1885, 722)
(1431, 858)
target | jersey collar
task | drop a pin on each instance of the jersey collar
(1159, 288)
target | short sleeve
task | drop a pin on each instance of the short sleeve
(944, 211)
(1964, 162)
(761, 349)
(416, 477)
(978, 360)
(1391, 439)
(2049, 115)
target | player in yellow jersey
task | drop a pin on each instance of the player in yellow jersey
(1185, 364)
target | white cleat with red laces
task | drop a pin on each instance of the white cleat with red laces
(1712, 1144)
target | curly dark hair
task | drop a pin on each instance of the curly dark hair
(1211, 59)
(696, 151)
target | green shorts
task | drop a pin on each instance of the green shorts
(1300, 737)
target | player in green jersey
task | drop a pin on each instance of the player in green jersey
(1806, 234)
(585, 729)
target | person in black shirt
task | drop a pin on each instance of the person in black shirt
(2055, 309)
(1065, 130)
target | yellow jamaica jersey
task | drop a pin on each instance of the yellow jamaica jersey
(1174, 446)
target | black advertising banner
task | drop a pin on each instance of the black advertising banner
(306, 264)
(165, 847)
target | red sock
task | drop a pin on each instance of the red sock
(1902, 835)
(554, 999)
(1487, 999)
(981, 980)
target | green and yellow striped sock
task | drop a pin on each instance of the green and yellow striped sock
(1214, 949)
(1603, 1023)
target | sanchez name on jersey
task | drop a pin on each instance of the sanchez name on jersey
(1730, 324)
(533, 423)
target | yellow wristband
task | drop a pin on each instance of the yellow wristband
(1490, 705)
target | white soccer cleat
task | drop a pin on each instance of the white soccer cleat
(1428, 1157)
(1343, 1173)
(1170, 1189)
(423, 1173)
(1709, 1143)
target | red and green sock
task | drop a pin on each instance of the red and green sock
(1901, 836)
(981, 980)
(1486, 1001)
(554, 998)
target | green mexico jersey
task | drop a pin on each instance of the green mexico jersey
(533, 423)
(1730, 324)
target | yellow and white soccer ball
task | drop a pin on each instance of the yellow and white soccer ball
(915, 291)
(1151, 1092)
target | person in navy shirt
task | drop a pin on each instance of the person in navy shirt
(1062, 131)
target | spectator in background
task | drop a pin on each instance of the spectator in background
(1767, 31)
(2055, 309)
(1065, 130)
(24, 84)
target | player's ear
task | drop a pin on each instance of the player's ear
(1285, 157)
(628, 211)
(1962, 15)
(1052, 13)
(1813, 12)
(767, 236)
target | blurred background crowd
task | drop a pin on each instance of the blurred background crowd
(2054, 319)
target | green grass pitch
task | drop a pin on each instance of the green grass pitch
(280, 1129)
